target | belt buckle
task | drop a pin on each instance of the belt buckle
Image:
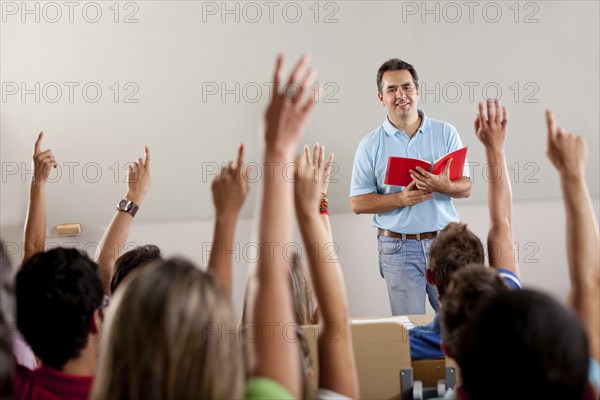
(418, 236)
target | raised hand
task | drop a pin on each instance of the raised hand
(230, 188)
(43, 162)
(138, 178)
(311, 180)
(287, 113)
(568, 152)
(490, 129)
(35, 220)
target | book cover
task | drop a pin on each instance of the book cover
(397, 170)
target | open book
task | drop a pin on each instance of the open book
(397, 170)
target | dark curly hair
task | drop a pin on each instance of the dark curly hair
(57, 294)
(530, 334)
(131, 260)
(455, 247)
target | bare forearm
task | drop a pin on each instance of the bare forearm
(111, 246)
(277, 358)
(35, 224)
(336, 360)
(582, 232)
(375, 203)
(325, 270)
(220, 262)
(583, 250)
(327, 223)
(499, 190)
(501, 250)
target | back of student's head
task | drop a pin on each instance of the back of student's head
(455, 247)
(131, 260)
(58, 292)
(303, 313)
(468, 289)
(7, 312)
(172, 337)
(301, 292)
(523, 344)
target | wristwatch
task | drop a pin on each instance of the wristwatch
(128, 206)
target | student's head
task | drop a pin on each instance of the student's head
(303, 313)
(468, 289)
(131, 260)
(7, 312)
(454, 248)
(172, 336)
(59, 304)
(524, 344)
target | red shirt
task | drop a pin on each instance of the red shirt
(46, 383)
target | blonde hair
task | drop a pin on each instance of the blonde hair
(301, 293)
(171, 335)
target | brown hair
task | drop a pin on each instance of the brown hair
(395, 64)
(468, 289)
(171, 336)
(455, 247)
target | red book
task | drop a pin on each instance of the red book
(397, 170)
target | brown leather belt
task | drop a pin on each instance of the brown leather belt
(418, 236)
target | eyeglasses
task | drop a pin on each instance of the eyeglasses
(408, 88)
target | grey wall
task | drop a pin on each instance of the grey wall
(539, 238)
(168, 58)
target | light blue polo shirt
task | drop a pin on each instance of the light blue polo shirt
(432, 141)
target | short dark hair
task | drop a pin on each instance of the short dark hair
(395, 64)
(468, 289)
(57, 294)
(7, 314)
(131, 260)
(455, 247)
(529, 339)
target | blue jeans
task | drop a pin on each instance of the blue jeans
(402, 263)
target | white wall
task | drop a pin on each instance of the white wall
(170, 56)
(165, 54)
(539, 231)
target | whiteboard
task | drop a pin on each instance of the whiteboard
(192, 79)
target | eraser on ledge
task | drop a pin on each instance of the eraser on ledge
(68, 229)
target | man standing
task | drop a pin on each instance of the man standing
(408, 218)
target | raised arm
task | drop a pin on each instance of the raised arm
(337, 368)
(276, 357)
(490, 128)
(35, 221)
(115, 237)
(568, 153)
(229, 190)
